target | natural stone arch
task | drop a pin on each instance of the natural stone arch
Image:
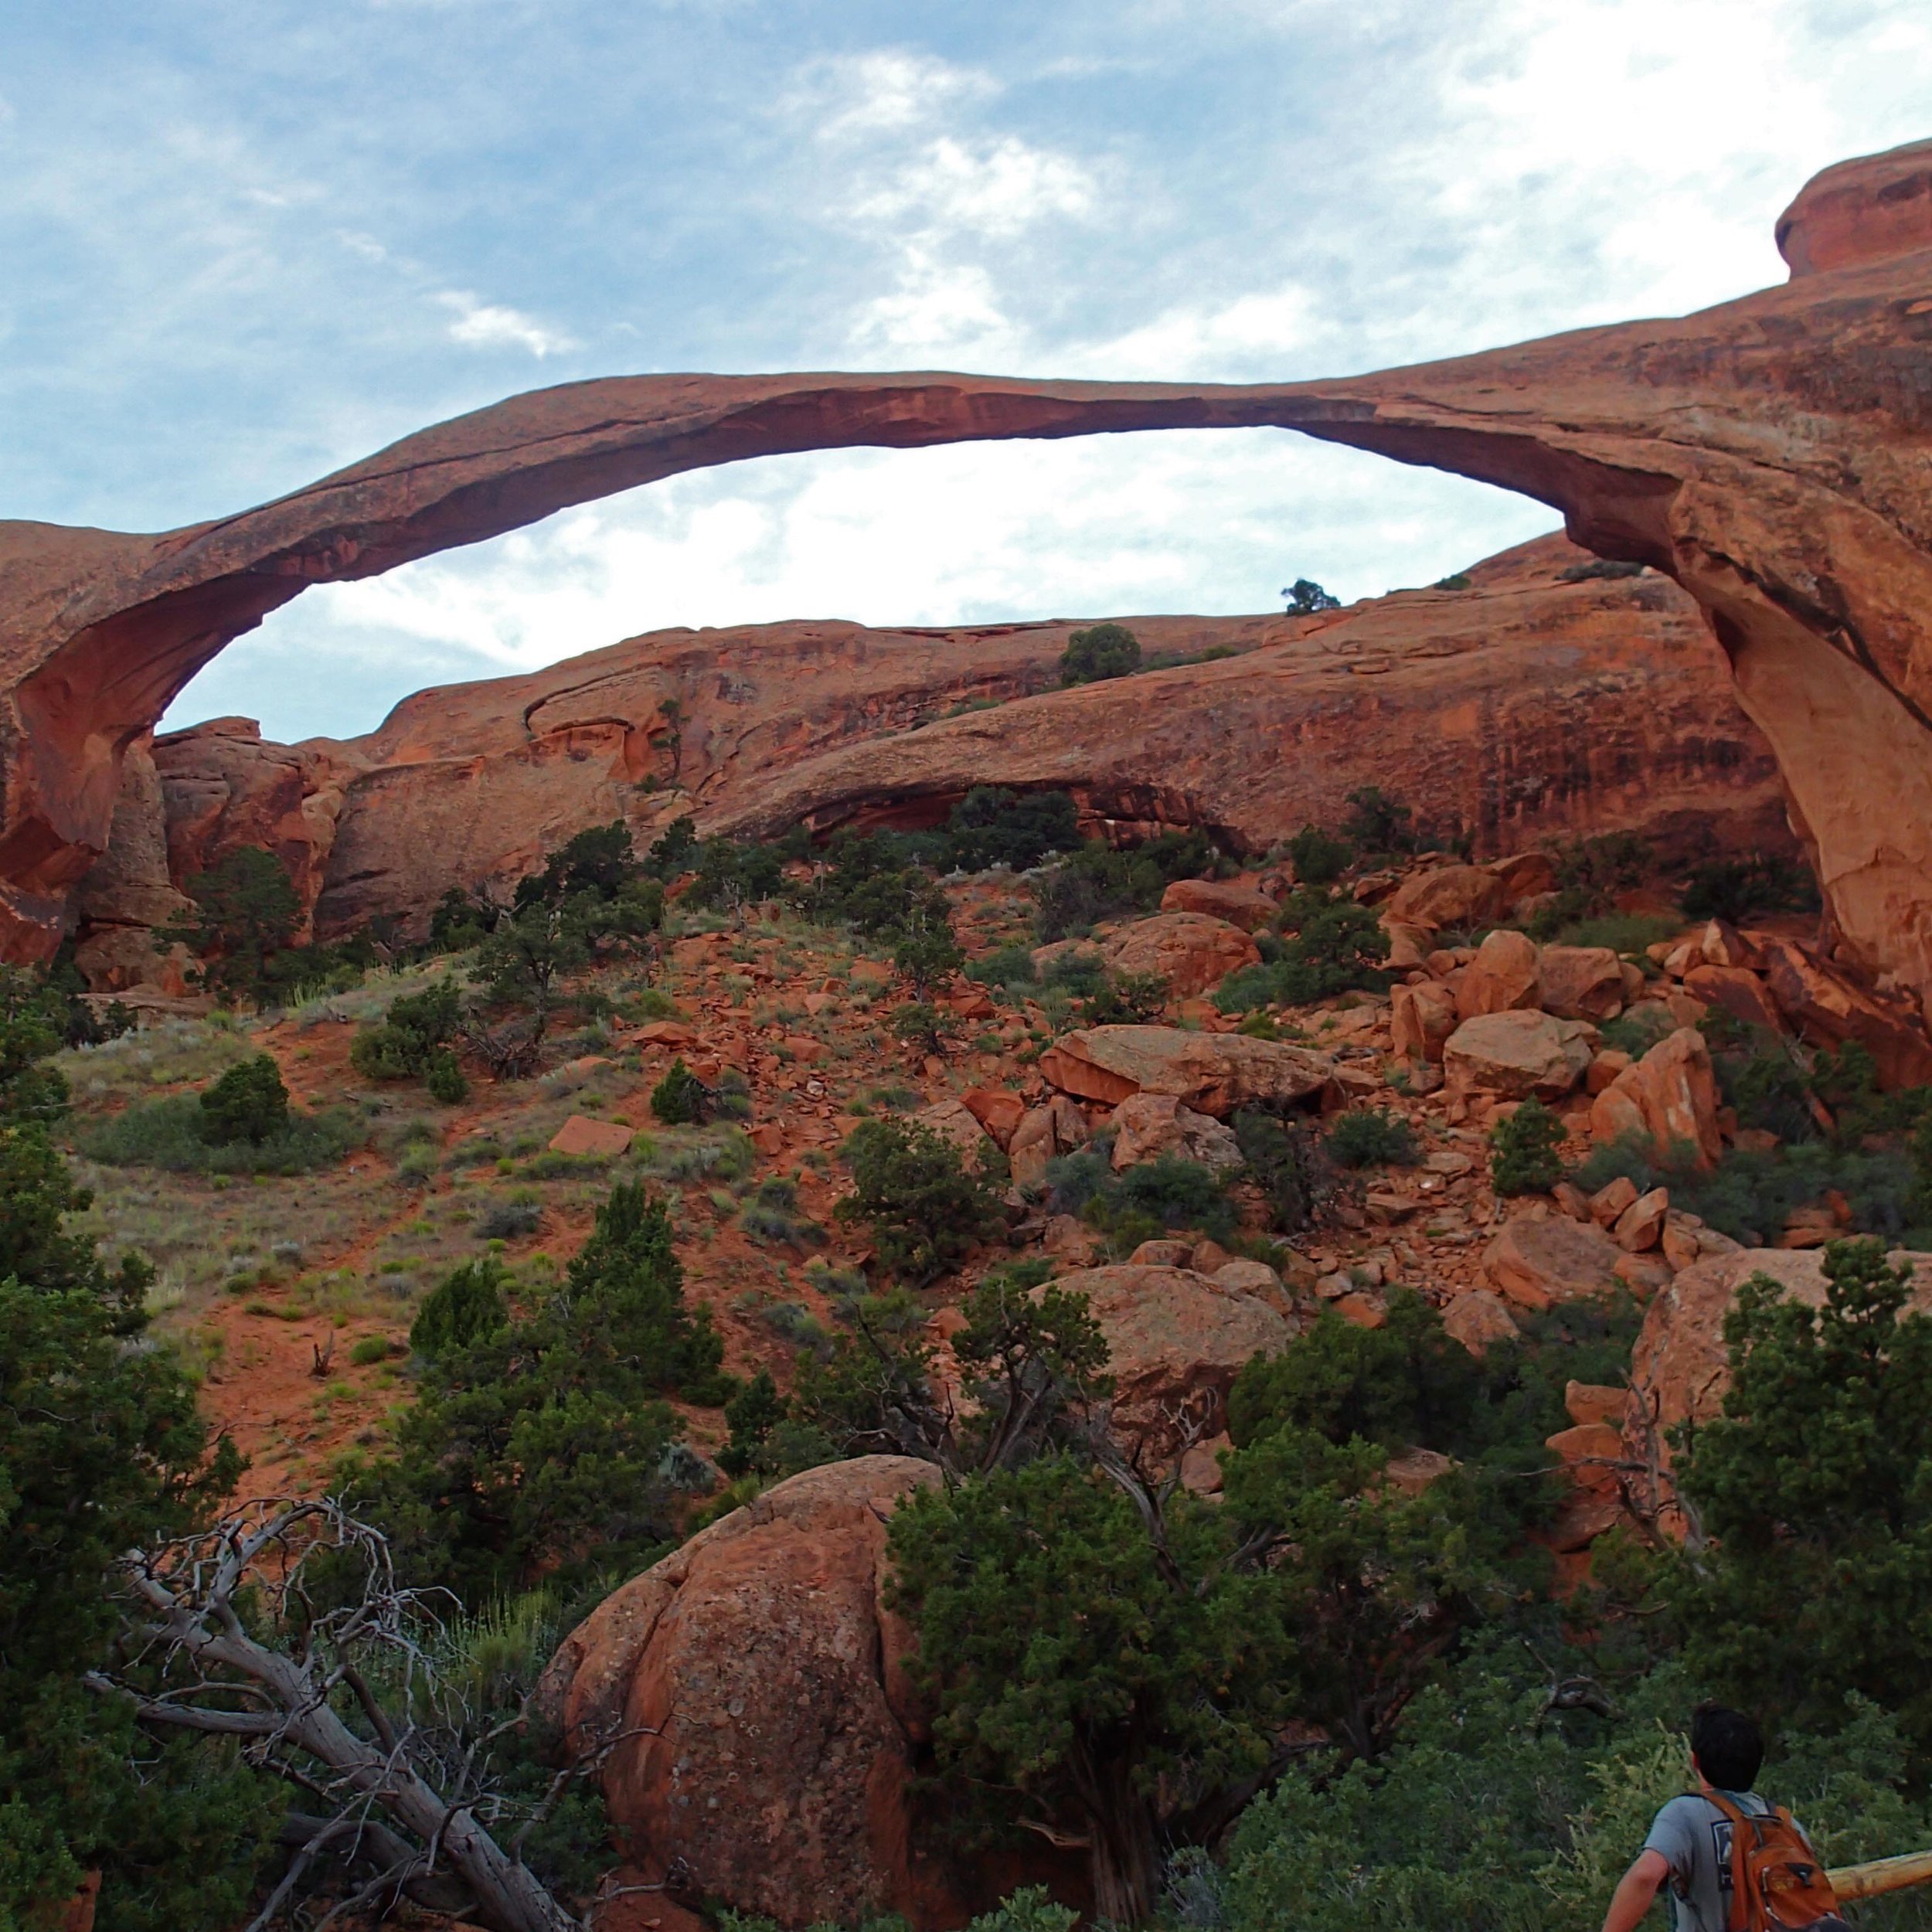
(1774, 454)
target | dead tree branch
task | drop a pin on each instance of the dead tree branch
(412, 1785)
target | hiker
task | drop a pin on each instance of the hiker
(1723, 1851)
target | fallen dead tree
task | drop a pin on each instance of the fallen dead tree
(398, 1768)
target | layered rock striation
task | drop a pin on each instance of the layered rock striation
(1533, 704)
(1773, 454)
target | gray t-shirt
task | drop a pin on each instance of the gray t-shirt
(1695, 1837)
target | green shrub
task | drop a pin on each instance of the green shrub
(1750, 1195)
(368, 1350)
(540, 1446)
(1104, 650)
(101, 1450)
(751, 1416)
(507, 1220)
(1304, 596)
(1318, 858)
(248, 1102)
(1168, 1191)
(1008, 965)
(167, 1134)
(1098, 882)
(772, 1215)
(1813, 1485)
(1737, 890)
(404, 1044)
(1629, 935)
(990, 827)
(927, 955)
(1367, 1137)
(925, 1028)
(1523, 1155)
(1286, 1160)
(1590, 872)
(1379, 825)
(246, 910)
(1124, 999)
(444, 1077)
(467, 1305)
(1338, 946)
(924, 1211)
(680, 1099)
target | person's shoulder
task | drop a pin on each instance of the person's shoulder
(1690, 1808)
(1677, 1824)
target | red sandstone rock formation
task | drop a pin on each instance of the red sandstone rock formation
(771, 1731)
(1770, 453)
(1527, 706)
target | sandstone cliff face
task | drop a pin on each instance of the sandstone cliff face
(1526, 706)
(1773, 454)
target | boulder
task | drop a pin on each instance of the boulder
(1191, 952)
(1409, 946)
(581, 1135)
(1525, 874)
(951, 1120)
(1587, 1401)
(1043, 1134)
(1640, 1225)
(1827, 1009)
(1738, 991)
(1669, 1097)
(1241, 906)
(1723, 944)
(1538, 1262)
(997, 1110)
(1680, 1368)
(1164, 1252)
(1644, 1274)
(1502, 979)
(1454, 896)
(1251, 1278)
(1147, 1125)
(763, 1657)
(1421, 1018)
(1518, 1056)
(1212, 1073)
(1608, 1203)
(1175, 1341)
(1582, 982)
(1604, 1069)
(1478, 1320)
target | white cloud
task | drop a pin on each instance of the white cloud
(995, 188)
(481, 325)
(1245, 339)
(857, 96)
(939, 313)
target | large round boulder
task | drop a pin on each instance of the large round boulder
(1518, 1056)
(1175, 1341)
(754, 1680)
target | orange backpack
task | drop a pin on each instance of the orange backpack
(1778, 1884)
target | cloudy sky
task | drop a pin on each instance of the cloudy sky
(244, 242)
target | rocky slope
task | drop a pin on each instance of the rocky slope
(1530, 705)
(1770, 453)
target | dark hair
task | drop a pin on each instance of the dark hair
(1728, 1746)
